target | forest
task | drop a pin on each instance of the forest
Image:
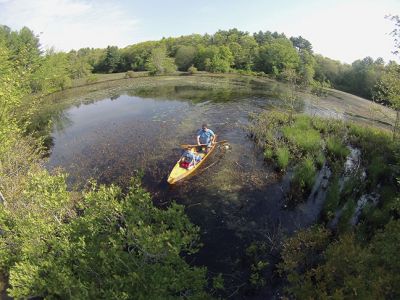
(266, 53)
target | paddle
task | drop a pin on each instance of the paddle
(184, 146)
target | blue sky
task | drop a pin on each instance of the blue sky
(343, 30)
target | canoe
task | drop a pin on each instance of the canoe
(178, 173)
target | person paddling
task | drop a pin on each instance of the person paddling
(205, 136)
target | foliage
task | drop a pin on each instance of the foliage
(336, 148)
(220, 61)
(159, 62)
(305, 138)
(192, 70)
(332, 198)
(345, 270)
(135, 56)
(184, 57)
(277, 56)
(282, 157)
(130, 74)
(52, 74)
(388, 91)
(304, 174)
(111, 248)
(111, 62)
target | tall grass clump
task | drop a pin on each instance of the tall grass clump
(347, 213)
(332, 198)
(304, 174)
(307, 140)
(282, 157)
(336, 148)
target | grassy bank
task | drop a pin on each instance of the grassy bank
(359, 226)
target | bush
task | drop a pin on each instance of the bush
(282, 157)
(268, 153)
(320, 159)
(302, 135)
(336, 148)
(192, 70)
(304, 174)
(309, 141)
(130, 74)
(92, 79)
(50, 248)
(332, 198)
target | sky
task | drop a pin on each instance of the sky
(344, 30)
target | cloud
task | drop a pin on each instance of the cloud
(71, 24)
(349, 30)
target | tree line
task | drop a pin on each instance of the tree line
(263, 53)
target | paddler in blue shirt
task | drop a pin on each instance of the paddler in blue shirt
(205, 136)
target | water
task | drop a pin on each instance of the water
(236, 198)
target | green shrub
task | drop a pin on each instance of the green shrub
(129, 74)
(377, 170)
(192, 70)
(332, 198)
(268, 153)
(336, 148)
(309, 140)
(282, 157)
(320, 159)
(304, 174)
(347, 213)
(92, 79)
(302, 122)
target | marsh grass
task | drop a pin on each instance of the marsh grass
(304, 175)
(336, 148)
(307, 143)
(347, 213)
(306, 140)
(268, 153)
(332, 198)
(282, 157)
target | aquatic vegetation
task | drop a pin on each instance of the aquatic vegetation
(332, 198)
(307, 140)
(347, 213)
(304, 174)
(336, 148)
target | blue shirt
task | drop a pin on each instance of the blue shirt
(190, 156)
(205, 136)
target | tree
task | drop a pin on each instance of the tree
(159, 62)
(221, 61)
(301, 43)
(78, 65)
(388, 90)
(277, 56)
(306, 68)
(53, 73)
(111, 61)
(119, 246)
(184, 57)
(136, 56)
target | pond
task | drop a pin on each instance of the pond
(235, 199)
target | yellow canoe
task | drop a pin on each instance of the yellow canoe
(178, 173)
